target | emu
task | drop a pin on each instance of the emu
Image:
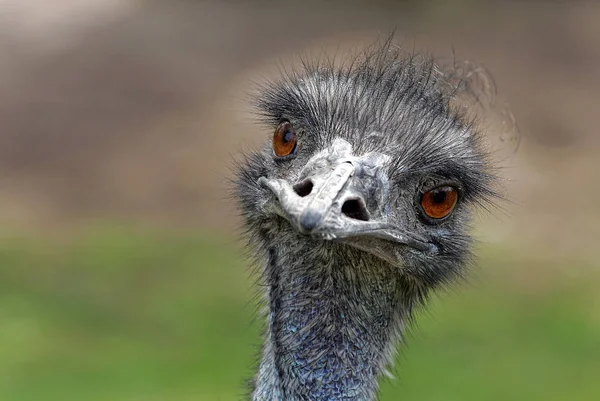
(356, 208)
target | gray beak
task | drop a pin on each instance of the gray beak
(315, 204)
(330, 198)
(341, 196)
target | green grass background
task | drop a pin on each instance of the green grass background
(126, 315)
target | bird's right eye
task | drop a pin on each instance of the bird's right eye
(284, 139)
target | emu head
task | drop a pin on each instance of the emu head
(368, 157)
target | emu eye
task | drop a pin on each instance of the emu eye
(439, 202)
(284, 139)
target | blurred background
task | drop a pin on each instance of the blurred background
(121, 273)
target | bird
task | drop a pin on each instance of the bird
(357, 207)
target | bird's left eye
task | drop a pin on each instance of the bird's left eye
(439, 202)
(284, 139)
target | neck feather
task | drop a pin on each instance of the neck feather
(335, 315)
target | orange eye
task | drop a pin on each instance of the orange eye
(439, 203)
(284, 139)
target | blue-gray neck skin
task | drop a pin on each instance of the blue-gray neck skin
(335, 316)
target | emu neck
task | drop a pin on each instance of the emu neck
(334, 317)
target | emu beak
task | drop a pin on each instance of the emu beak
(340, 196)
(309, 202)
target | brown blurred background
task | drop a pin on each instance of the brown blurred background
(131, 111)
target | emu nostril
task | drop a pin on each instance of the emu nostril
(355, 209)
(303, 188)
